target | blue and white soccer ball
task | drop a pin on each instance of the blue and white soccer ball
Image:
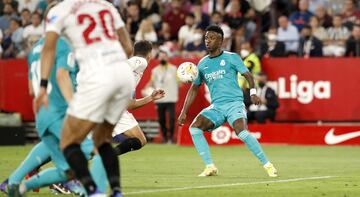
(187, 72)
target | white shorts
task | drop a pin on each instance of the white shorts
(102, 93)
(126, 122)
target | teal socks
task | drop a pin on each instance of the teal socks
(36, 156)
(253, 145)
(201, 145)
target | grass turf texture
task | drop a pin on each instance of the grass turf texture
(162, 167)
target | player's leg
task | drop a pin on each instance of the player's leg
(207, 120)
(134, 141)
(102, 136)
(236, 116)
(73, 133)
(171, 109)
(36, 158)
(129, 128)
(161, 110)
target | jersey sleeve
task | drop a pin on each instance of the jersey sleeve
(238, 64)
(118, 22)
(29, 65)
(64, 56)
(55, 19)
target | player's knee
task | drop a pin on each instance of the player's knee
(143, 141)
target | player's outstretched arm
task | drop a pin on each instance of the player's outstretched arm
(254, 98)
(125, 41)
(190, 97)
(65, 85)
(137, 103)
(47, 62)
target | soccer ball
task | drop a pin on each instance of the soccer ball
(187, 72)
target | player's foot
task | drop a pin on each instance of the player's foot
(4, 185)
(210, 170)
(270, 169)
(75, 187)
(14, 191)
(116, 194)
(97, 194)
(59, 189)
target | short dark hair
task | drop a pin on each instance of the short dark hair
(216, 29)
(142, 48)
(306, 26)
(190, 15)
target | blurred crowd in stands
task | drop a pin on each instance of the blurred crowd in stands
(267, 28)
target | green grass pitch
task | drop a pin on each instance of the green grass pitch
(169, 170)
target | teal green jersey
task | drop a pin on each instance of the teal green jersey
(220, 75)
(64, 59)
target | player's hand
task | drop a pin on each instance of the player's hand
(181, 119)
(40, 100)
(255, 99)
(157, 94)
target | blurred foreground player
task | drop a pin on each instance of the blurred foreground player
(219, 72)
(105, 82)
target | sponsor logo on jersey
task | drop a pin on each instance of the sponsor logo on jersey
(304, 91)
(219, 74)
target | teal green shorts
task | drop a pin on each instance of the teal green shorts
(219, 113)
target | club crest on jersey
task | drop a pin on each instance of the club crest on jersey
(222, 63)
(51, 19)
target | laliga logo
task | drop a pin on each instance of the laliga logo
(223, 134)
(303, 91)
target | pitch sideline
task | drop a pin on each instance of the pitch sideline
(227, 185)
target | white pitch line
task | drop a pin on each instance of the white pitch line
(227, 185)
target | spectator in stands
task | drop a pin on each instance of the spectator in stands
(251, 61)
(35, 29)
(353, 43)
(132, 18)
(175, 17)
(9, 12)
(152, 8)
(350, 14)
(212, 6)
(337, 36)
(288, 34)
(217, 19)
(325, 19)
(335, 7)
(146, 31)
(272, 47)
(27, 4)
(42, 5)
(317, 30)
(233, 17)
(14, 4)
(269, 102)
(164, 34)
(163, 76)
(238, 38)
(314, 4)
(25, 16)
(309, 45)
(201, 18)
(196, 48)
(187, 31)
(301, 17)
(13, 42)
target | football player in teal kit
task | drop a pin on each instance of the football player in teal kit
(218, 70)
